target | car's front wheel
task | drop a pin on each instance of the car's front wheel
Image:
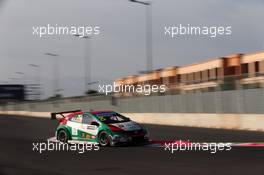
(104, 138)
(62, 136)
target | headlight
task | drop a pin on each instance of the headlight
(145, 130)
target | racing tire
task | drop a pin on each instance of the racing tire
(111, 142)
(104, 139)
(62, 136)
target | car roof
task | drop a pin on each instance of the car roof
(91, 112)
(99, 112)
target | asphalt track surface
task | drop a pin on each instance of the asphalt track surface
(17, 157)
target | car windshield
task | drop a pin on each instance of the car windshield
(111, 117)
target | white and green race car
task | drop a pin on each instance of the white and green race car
(103, 127)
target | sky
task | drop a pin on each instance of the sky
(119, 49)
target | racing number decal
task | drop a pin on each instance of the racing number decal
(77, 119)
(74, 131)
(101, 118)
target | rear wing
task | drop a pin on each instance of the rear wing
(54, 114)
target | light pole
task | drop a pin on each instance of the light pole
(148, 18)
(55, 72)
(87, 63)
(38, 80)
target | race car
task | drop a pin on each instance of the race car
(108, 128)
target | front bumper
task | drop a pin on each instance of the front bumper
(126, 138)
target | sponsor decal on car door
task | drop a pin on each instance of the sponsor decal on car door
(81, 127)
(90, 130)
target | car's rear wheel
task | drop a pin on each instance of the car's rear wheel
(104, 139)
(63, 136)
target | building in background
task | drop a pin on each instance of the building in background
(12, 93)
(224, 73)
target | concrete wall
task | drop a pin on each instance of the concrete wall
(237, 101)
(239, 109)
(250, 122)
(248, 101)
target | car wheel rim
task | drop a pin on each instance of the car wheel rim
(62, 137)
(104, 139)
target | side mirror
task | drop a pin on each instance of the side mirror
(95, 124)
